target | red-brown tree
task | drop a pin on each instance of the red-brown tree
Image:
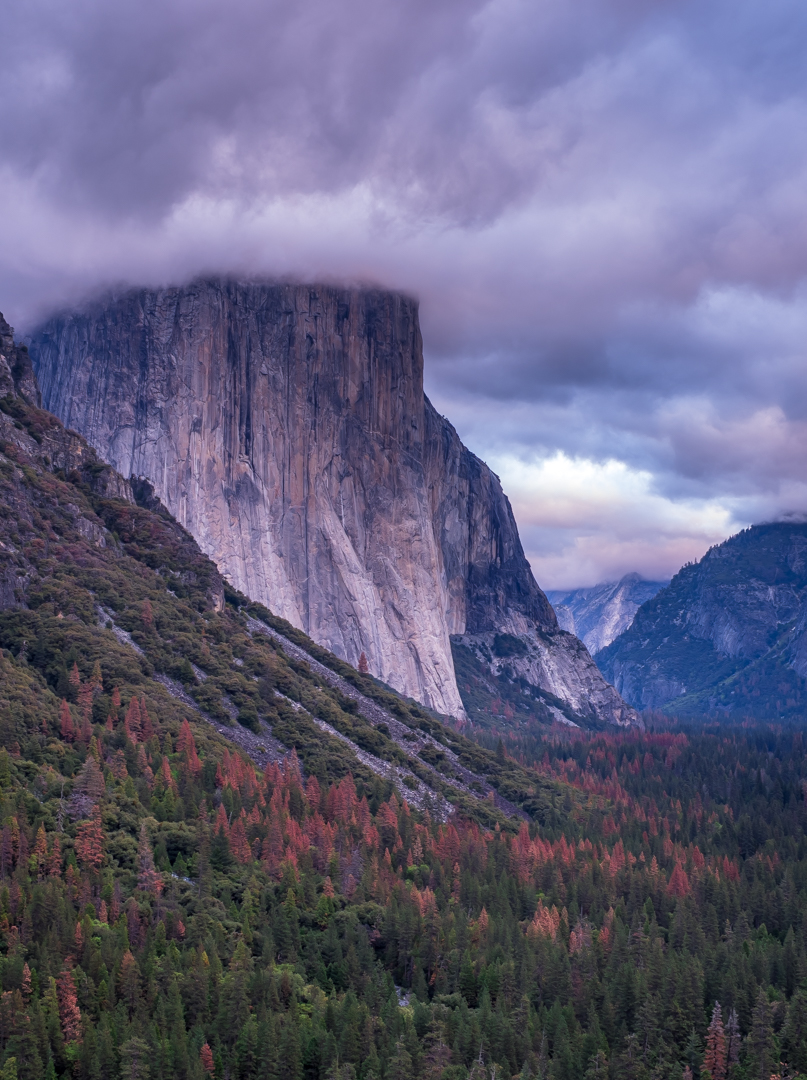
(90, 841)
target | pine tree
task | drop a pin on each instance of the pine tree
(40, 852)
(55, 860)
(714, 1060)
(132, 723)
(147, 727)
(692, 1053)
(148, 879)
(96, 678)
(629, 1065)
(66, 726)
(69, 1014)
(401, 1065)
(85, 696)
(289, 1057)
(221, 857)
(135, 1055)
(90, 841)
(129, 981)
(364, 667)
(206, 1058)
(89, 787)
(760, 1040)
(437, 1054)
(794, 1033)
(186, 745)
(246, 1054)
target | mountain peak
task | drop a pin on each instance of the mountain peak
(599, 614)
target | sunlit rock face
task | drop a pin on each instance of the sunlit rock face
(601, 613)
(286, 427)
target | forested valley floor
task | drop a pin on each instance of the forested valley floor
(167, 913)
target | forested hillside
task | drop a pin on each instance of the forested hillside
(169, 911)
(226, 853)
(727, 635)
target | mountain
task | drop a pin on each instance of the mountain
(729, 633)
(225, 852)
(94, 568)
(601, 613)
(286, 427)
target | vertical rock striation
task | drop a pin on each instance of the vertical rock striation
(601, 613)
(286, 427)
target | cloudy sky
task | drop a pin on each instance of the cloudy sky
(602, 205)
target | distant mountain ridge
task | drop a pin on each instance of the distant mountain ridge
(728, 634)
(601, 613)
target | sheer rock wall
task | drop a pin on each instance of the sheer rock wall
(285, 426)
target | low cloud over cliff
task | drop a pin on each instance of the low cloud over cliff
(601, 207)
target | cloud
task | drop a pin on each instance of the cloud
(600, 205)
(583, 521)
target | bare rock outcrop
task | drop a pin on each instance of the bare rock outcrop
(599, 614)
(285, 426)
(16, 370)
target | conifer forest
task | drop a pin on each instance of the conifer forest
(226, 853)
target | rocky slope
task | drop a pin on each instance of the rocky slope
(16, 371)
(94, 567)
(543, 677)
(286, 427)
(729, 633)
(601, 613)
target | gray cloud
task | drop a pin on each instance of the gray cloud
(601, 206)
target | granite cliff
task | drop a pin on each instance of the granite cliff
(285, 426)
(95, 572)
(601, 613)
(728, 634)
(16, 371)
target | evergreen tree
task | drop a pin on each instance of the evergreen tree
(66, 725)
(794, 1033)
(759, 1041)
(135, 1055)
(733, 1040)
(714, 1060)
(401, 1067)
(148, 879)
(206, 1058)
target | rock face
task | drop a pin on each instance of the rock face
(16, 370)
(728, 634)
(601, 613)
(535, 678)
(286, 427)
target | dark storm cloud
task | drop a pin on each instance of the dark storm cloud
(601, 206)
